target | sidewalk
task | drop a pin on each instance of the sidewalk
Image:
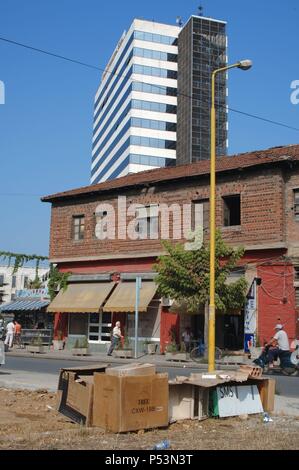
(159, 360)
(286, 406)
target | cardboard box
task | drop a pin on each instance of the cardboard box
(130, 403)
(132, 369)
(75, 392)
(187, 401)
(267, 393)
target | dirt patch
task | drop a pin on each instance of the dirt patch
(28, 420)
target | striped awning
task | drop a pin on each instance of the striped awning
(124, 296)
(24, 305)
(84, 297)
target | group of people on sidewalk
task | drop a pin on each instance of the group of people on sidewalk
(13, 333)
(278, 344)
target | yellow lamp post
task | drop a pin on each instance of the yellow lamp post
(243, 65)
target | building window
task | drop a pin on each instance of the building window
(232, 210)
(26, 282)
(297, 297)
(1, 279)
(148, 223)
(78, 227)
(296, 204)
(99, 327)
(200, 214)
(14, 282)
(296, 277)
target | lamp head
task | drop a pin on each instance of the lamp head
(245, 64)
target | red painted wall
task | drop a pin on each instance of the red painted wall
(61, 324)
(102, 266)
(168, 320)
(276, 295)
(276, 300)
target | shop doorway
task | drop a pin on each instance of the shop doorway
(230, 332)
(99, 327)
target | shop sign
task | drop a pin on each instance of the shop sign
(250, 319)
(238, 400)
(33, 293)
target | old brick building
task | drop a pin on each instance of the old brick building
(257, 207)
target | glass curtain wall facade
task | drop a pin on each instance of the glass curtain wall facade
(202, 48)
(135, 112)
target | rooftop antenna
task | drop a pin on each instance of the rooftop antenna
(200, 10)
(179, 21)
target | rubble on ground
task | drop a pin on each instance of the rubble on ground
(29, 420)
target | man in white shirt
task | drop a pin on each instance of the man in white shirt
(10, 330)
(116, 337)
(281, 341)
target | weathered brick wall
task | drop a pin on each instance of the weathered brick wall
(262, 213)
(276, 300)
(291, 178)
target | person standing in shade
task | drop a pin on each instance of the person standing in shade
(116, 337)
(187, 337)
(10, 331)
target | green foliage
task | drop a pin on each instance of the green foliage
(171, 348)
(173, 335)
(184, 276)
(183, 347)
(19, 259)
(35, 284)
(36, 341)
(57, 281)
(84, 343)
(81, 343)
(127, 343)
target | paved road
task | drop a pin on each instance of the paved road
(25, 371)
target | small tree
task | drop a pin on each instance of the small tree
(184, 276)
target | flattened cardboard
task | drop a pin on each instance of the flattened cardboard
(267, 393)
(132, 369)
(75, 392)
(124, 404)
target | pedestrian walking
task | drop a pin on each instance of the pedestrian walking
(10, 331)
(17, 334)
(116, 338)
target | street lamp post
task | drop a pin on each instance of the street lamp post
(243, 65)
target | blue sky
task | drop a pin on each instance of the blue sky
(46, 122)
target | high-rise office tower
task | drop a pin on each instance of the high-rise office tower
(152, 108)
(202, 48)
(135, 111)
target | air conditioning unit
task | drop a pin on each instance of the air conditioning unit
(166, 302)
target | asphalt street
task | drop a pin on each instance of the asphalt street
(48, 369)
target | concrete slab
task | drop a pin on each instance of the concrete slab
(24, 380)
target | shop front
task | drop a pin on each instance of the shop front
(30, 310)
(78, 311)
(90, 306)
(122, 306)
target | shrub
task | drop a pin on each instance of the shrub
(59, 335)
(36, 341)
(171, 348)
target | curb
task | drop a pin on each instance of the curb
(163, 363)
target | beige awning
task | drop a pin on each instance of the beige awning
(124, 296)
(81, 298)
